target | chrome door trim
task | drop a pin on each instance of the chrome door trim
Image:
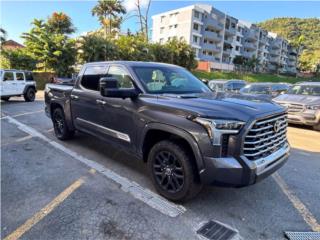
(106, 130)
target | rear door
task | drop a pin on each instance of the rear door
(20, 82)
(84, 105)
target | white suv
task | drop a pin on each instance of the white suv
(17, 83)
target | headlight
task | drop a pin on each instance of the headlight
(313, 107)
(217, 127)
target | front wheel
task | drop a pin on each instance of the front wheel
(60, 126)
(30, 95)
(172, 171)
(317, 127)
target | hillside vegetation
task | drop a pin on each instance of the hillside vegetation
(305, 29)
(251, 77)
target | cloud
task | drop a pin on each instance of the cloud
(131, 5)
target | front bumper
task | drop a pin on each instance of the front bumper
(310, 118)
(241, 172)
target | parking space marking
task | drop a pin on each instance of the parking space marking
(145, 195)
(27, 113)
(45, 211)
(297, 203)
(17, 140)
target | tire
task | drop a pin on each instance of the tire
(317, 127)
(30, 95)
(60, 126)
(172, 171)
(5, 98)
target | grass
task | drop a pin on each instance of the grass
(251, 77)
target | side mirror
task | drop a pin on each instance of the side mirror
(109, 88)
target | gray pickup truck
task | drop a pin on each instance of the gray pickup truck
(303, 103)
(165, 116)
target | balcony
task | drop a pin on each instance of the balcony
(276, 45)
(230, 31)
(248, 54)
(250, 46)
(274, 59)
(214, 24)
(228, 40)
(227, 51)
(274, 52)
(252, 35)
(211, 47)
(213, 36)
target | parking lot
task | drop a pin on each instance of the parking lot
(85, 189)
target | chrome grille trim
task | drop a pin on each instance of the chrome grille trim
(262, 139)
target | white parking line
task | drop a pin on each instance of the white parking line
(27, 113)
(145, 195)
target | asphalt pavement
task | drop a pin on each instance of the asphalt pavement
(86, 189)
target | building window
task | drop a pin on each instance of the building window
(238, 39)
(196, 26)
(162, 19)
(237, 48)
(176, 25)
(161, 30)
(195, 39)
(161, 40)
(205, 40)
(170, 27)
(196, 14)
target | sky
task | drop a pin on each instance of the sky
(16, 16)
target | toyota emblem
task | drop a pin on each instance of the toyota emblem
(276, 126)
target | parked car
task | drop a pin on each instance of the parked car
(17, 83)
(303, 103)
(167, 117)
(265, 90)
(231, 86)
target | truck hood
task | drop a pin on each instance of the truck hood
(219, 105)
(300, 99)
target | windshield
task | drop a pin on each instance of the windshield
(169, 80)
(256, 89)
(238, 85)
(305, 90)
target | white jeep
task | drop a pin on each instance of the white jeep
(17, 83)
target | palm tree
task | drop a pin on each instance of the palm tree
(107, 11)
(3, 35)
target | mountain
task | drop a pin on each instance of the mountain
(293, 29)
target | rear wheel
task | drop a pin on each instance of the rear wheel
(60, 126)
(30, 95)
(5, 98)
(172, 171)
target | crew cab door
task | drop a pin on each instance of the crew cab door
(117, 115)
(83, 99)
(20, 82)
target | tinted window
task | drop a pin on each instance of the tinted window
(8, 76)
(29, 76)
(91, 77)
(19, 77)
(121, 75)
(169, 80)
(305, 90)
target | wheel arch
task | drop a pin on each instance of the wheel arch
(155, 132)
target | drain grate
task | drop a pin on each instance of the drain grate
(302, 235)
(216, 231)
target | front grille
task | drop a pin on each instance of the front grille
(265, 137)
(294, 107)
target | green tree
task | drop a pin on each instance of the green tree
(18, 59)
(94, 47)
(60, 23)
(107, 11)
(3, 35)
(53, 49)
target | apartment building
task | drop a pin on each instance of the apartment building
(218, 38)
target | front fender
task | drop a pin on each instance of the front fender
(179, 132)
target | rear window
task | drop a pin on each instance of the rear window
(91, 77)
(29, 76)
(19, 76)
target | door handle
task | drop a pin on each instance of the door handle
(101, 102)
(74, 97)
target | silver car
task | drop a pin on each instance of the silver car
(303, 103)
(222, 85)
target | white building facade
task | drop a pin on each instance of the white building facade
(218, 38)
